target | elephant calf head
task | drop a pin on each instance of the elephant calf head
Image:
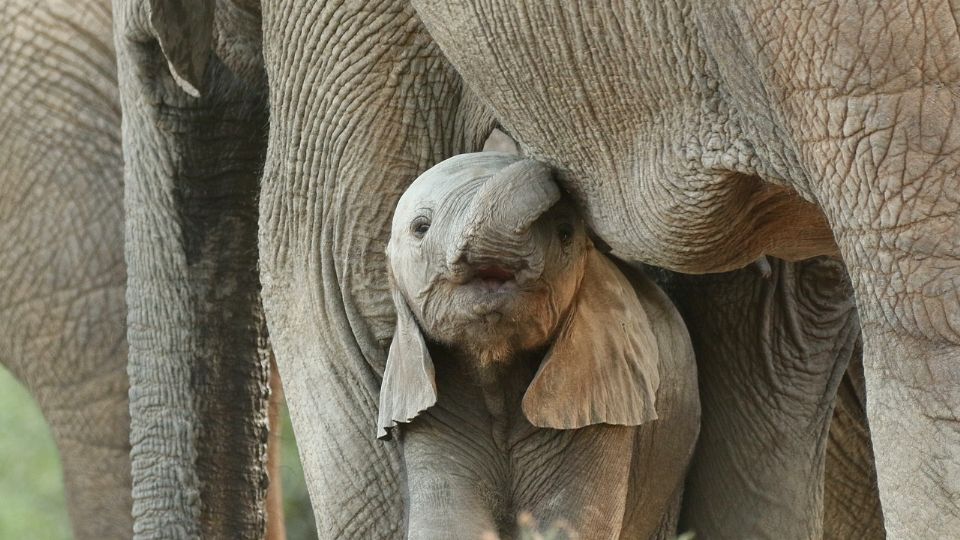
(489, 259)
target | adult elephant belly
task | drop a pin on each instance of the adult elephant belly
(643, 140)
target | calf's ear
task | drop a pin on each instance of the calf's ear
(409, 386)
(184, 29)
(603, 366)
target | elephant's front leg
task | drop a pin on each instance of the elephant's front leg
(770, 352)
(888, 166)
(446, 492)
(361, 102)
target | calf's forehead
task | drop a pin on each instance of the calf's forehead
(448, 176)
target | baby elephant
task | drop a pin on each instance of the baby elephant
(533, 374)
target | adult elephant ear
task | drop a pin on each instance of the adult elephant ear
(409, 386)
(184, 29)
(603, 366)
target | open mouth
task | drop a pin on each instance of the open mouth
(492, 280)
(494, 273)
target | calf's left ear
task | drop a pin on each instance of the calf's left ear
(409, 386)
(603, 366)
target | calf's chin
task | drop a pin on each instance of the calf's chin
(525, 322)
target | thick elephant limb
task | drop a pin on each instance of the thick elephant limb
(874, 120)
(198, 363)
(771, 352)
(62, 273)
(361, 102)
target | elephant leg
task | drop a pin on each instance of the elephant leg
(908, 296)
(361, 102)
(443, 494)
(872, 129)
(896, 218)
(851, 500)
(889, 189)
(198, 361)
(90, 421)
(73, 363)
(62, 272)
(770, 354)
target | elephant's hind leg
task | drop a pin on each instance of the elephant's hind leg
(66, 342)
(851, 506)
(771, 351)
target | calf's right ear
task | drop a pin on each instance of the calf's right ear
(409, 386)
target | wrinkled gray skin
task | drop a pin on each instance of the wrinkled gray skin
(62, 279)
(772, 345)
(692, 142)
(698, 137)
(511, 330)
(62, 314)
(694, 136)
(198, 362)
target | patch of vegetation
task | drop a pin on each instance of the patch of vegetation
(298, 513)
(32, 503)
(31, 484)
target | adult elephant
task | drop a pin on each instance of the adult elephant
(62, 274)
(697, 137)
(63, 316)
(722, 132)
(691, 139)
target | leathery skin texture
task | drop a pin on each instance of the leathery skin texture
(843, 117)
(695, 136)
(62, 272)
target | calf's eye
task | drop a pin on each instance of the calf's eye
(420, 226)
(565, 232)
